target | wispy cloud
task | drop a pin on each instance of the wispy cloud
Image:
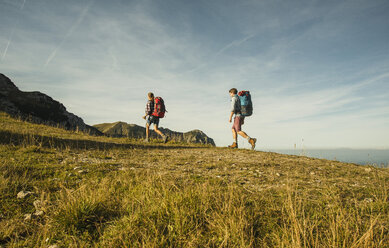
(8, 43)
(290, 56)
(24, 2)
(69, 32)
(235, 43)
(11, 36)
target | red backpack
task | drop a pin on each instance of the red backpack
(159, 107)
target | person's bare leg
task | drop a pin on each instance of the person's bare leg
(252, 141)
(158, 131)
(165, 137)
(234, 136)
(147, 132)
(243, 134)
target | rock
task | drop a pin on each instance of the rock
(37, 204)
(278, 174)
(23, 194)
(53, 246)
(38, 108)
(197, 137)
(39, 213)
(312, 173)
(368, 170)
(27, 217)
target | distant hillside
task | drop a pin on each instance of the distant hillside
(38, 108)
(122, 129)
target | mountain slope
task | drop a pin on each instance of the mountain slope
(38, 108)
(122, 129)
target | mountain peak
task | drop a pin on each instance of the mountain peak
(38, 108)
(122, 129)
(6, 85)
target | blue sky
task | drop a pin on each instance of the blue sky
(318, 71)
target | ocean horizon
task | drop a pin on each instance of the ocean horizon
(374, 157)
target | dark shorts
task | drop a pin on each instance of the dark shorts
(238, 122)
(151, 119)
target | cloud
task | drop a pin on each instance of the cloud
(12, 32)
(69, 32)
(113, 55)
(22, 6)
(8, 43)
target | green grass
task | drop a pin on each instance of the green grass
(107, 192)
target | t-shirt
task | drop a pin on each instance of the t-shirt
(235, 105)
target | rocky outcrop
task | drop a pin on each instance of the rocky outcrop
(122, 129)
(38, 108)
(197, 136)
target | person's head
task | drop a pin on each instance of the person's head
(150, 95)
(233, 92)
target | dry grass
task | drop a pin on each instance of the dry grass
(132, 195)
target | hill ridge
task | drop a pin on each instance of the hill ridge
(38, 107)
(123, 129)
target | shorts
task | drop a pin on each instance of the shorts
(238, 122)
(151, 119)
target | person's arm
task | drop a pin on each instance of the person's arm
(233, 104)
(232, 113)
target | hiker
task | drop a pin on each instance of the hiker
(153, 114)
(238, 120)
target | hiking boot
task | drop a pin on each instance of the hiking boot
(165, 139)
(234, 145)
(252, 143)
(146, 140)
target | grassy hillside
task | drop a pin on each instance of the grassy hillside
(85, 191)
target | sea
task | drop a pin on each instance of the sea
(374, 157)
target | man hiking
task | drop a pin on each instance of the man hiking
(152, 117)
(238, 121)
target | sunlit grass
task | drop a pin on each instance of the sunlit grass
(184, 196)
